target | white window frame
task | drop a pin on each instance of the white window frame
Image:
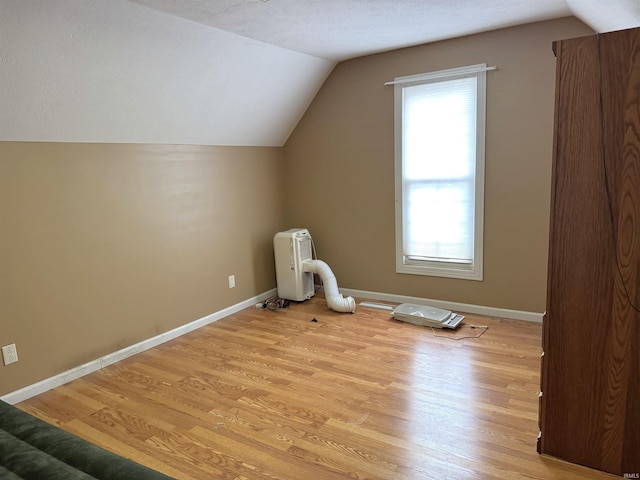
(443, 268)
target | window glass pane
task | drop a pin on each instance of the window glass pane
(439, 129)
(439, 220)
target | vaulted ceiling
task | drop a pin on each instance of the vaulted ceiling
(218, 72)
(342, 29)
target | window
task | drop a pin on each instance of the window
(439, 161)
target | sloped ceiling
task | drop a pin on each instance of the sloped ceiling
(343, 29)
(217, 72)
(116, 72)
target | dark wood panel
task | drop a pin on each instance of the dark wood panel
(621, 84)
(579, 291)
(590, 412)
(631, 189)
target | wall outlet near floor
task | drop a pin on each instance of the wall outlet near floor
(10, 354)
(232, 281)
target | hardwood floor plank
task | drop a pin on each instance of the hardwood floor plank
(139, 453)
(264, 395)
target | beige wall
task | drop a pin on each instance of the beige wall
(102, 246)
(339, 164)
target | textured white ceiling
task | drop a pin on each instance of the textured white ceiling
(342, 29)
(113, 71)
(217, 72)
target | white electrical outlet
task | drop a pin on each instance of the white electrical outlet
(9, 354)
(232, 281)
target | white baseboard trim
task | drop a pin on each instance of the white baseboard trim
(111, 358)
(454, 306)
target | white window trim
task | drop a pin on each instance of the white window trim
(473, 271)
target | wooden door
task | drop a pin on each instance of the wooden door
(590, 404)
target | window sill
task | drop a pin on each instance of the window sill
(445, 271)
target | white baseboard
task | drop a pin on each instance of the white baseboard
(454, 306)
(77, 372)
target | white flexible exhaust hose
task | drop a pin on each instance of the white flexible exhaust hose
(335, 300)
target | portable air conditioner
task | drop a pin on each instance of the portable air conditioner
(291, 249)
(295, 266)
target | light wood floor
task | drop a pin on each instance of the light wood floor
(276, 395)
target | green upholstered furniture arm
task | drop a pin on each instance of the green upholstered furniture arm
(33, 449)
